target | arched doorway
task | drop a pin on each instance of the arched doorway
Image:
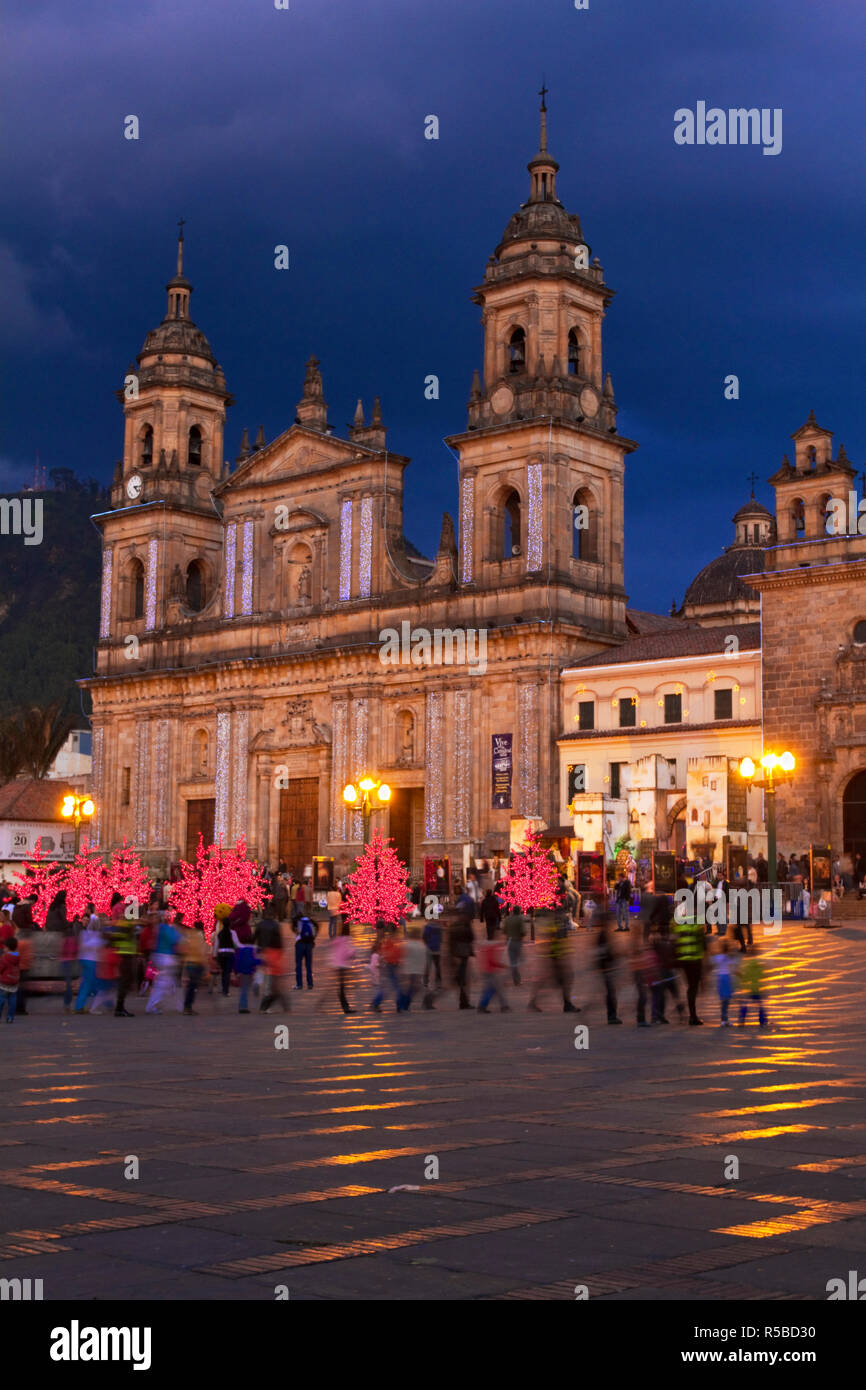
(854, 815)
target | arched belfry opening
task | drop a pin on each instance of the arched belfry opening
(517, 352)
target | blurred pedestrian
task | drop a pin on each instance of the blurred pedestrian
(752, 976)
(342, 955)
(514, 926)
(413, 959)
(68, 961)
(606, 963)
(194, 952)
(165, 961)
(10, 975)
(305, 941)
(490, 913)
(690, 943)
(492, 965)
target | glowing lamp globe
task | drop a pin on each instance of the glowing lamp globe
(747, 768)
(88, 808)
(68, 806)
(384, 792)
(787, 762)
(769, 761)
(350, 794)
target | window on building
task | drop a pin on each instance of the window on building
(147, 447)
(511, 529)
(615, 779)
(195, 446)
(860, 632)
(576, 779)
(627, 712)
(125, 784)
(584, 529)
(673, 709)
(195, 595)
(586, 714)
(136, 584)
(724, 703)
(517, 352)
(798, 515)
(573, 354)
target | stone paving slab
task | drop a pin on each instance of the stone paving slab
(555, 1163)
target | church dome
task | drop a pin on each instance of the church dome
(546, 221)
(177, 335)
(750, 509)
(720, 581)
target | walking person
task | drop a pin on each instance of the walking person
(25, 951)
(124, 941)
(89, 947)
(490, 913)
(690, 943)
(194, 953)
(606, 964)
(333, 902)
(514, 926)
(643, 966)
(386, 951)
(165, 961)
(491, 963)
(68, 960)
(665, 980)
(622, 898)
(225, 944)
(10, 975)
(305, 940)
(342, 955)
(413, 959)
(461, 946)
(725, 973)
(752, 974)
(432, 937)
(553, 968)
(107, 976)
(276, 967)
(245, 965)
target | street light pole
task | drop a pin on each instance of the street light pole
(77, 808)
(769, 762)
(363, 790)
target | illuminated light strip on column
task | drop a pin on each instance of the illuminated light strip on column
(462, 762)
(150, 598)
(467, 527)
(142, 783)
(247, 569)
(240, 772)
(527, 718)
(96, 782)
(105, 599)
(231, 562)
(340, 714)
(160, 781)
(346, 550)
(223, 773)
(366, 546)
(535, 519)
(360, 729)
(435, 759)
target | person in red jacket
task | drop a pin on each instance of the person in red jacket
(10, 974)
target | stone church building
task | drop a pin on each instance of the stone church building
(240, 680)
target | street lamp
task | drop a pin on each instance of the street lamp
(77, 808)
(771, 763)
(363, 792)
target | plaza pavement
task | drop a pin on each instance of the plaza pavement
(558, 1167)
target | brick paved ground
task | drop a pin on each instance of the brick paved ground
(604, 1167)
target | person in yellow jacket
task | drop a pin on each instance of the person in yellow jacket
(690, 944)
(194, 953)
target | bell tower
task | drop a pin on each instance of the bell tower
(541, 461)
(162, 540)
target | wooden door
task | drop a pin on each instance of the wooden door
(199, 821)
(299, 823)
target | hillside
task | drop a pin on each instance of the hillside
(49, 602)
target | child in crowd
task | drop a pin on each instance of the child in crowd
(752, 977)
(10, 974)
(726, 978)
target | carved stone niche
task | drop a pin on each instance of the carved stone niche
(301, 727)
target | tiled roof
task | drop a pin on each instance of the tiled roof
(683, 640)
(641, 623)
(27, 799)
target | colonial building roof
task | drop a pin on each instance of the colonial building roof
(720, 582)
(27, 799)
(682, 640)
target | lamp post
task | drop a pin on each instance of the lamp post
(771, 763)
(363, 793)
(77, 808)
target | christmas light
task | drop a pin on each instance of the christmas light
(41, 881)
(532, 880)
(218, 876)
(378, 887)
(467, 518)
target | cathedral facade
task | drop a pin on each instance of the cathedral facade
(243, 675)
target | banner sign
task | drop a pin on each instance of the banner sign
(502, 764)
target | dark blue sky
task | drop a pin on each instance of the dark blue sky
(305, 127)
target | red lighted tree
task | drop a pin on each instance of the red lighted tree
(87, 881)
(41, 881)
(218, 876)
(127, 876)
(378, 885)
(532, 880)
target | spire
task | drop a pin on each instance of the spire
(244, 451)
(543, 167)
(312, 408)
(260, 438)
(359, 413)
(178, 287)
(180, 226)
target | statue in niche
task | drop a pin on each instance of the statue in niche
(305, 585)
(407, 738)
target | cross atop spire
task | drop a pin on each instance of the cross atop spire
(752, 479)
(542, 144)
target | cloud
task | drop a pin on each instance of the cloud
(24, 322)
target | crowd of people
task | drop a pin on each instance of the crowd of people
(477, 945)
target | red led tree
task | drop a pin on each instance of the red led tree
(127, 876)
(532, 880)
(218, 876)
(378, 885)
(87, 882)
(41, 881)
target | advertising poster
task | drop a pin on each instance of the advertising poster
(502, 763)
